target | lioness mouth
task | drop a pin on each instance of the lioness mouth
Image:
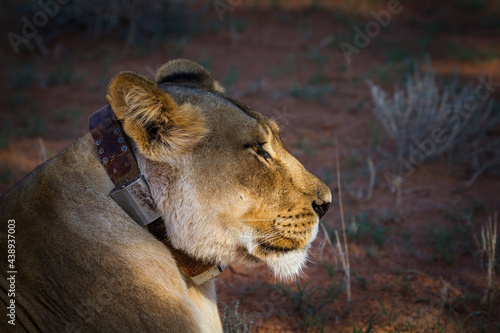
(267, 248)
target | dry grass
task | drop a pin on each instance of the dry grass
(428, 119)
(234, 322)
(489, 243)
(340, 248)
(342, 252)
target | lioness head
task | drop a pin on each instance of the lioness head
(226, 186)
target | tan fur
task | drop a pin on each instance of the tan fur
(142, 105)
(180, 66)
(85, 266)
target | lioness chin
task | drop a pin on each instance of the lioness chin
(225, 186)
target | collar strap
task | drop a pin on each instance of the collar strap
(132, 191)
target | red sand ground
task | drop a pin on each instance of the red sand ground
(421, 270)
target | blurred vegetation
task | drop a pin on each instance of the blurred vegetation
(134, 21)
(463, 116)
(313, 303)
(235, 322)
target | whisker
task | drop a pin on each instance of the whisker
(272, 243)
(268, 241)
(266, 233)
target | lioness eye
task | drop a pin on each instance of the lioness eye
(257, 147)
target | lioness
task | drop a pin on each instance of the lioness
(227, 189)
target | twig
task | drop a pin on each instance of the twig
(489, 238)
(417, 189)
(344, 259)
(43, 153)
(328, 240)
(476, 174)
(344, 256)
(454, 291)
(232, 270)
(372, 178)
(396, 187)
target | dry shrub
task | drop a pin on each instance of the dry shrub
(428, 119)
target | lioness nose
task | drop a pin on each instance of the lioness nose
(320, 207)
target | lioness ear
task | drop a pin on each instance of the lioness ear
(185, 71)
(160, 128)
